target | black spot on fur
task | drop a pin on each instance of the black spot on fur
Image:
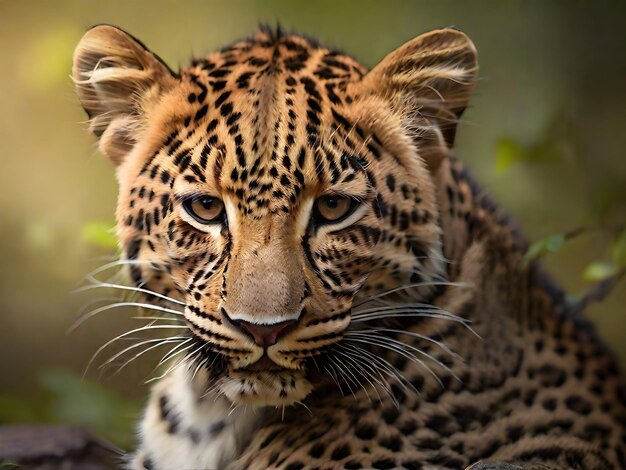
(394, 443)
(352, 465)
(429, 443)
(391, 182)
(340, 452)
(366, 432)
(168, 415)
(295, 466)
(216, 427)
(384, 464)
(317, 450)
(578, 405)
(514, 433)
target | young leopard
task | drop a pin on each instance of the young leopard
(349, 297)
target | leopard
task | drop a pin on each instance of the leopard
(346, 295)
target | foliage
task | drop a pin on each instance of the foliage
(597, 270)
(557, 144)
(69, 399)
(6, 465)
(553, 145)
(100, 235)
(541, 247)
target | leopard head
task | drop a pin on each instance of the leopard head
(270, 188)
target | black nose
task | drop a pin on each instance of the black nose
(266, 335)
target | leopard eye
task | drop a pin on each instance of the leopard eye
(204, 209)
(333, 209)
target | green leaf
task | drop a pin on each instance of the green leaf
(79, 401)
(555, 243)
(618, 250)
(539, 248)
(100, 235)
(508, 152)
(599, 270)
(7, 464)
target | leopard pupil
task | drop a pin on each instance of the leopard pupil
(207, 203)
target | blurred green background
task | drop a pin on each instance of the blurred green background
(546, 135)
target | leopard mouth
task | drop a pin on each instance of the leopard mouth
(265, 364)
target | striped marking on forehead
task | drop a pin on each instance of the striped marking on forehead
(256, 121)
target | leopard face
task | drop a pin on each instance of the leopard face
(274, 186)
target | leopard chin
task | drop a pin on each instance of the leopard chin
(265, 388)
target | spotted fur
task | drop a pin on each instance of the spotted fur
(416, 339)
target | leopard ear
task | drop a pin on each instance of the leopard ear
(428, 81)
(117, 81)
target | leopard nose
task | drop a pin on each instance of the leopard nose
(266, 335)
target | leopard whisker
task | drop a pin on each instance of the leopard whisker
(103, 285)
(341, 369)
(212, 388)
(306, 407)
(401, 309)
(120, 262)
(405, 308)
(216, 357)
(126, 334)
(411, 286)
(141, 353)
(91, 276)
(184, 360)
(333, 375)
(355, 379)
(180, 321)
(429, 356)
(383, 342)
(438, 316)
(360, 360)
(104, 308)
(440, 344)
(97, 301)
(359, 367)
(394, 306)
(315, 362)
(382, 365)
(137, 345)
(406, 314)
(373, 372)
(174, 352)
(411, 314)
(193, 376)
(233, 407)
(190, 357)
(364, 374)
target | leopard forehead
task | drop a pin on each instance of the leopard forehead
(262, 122)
